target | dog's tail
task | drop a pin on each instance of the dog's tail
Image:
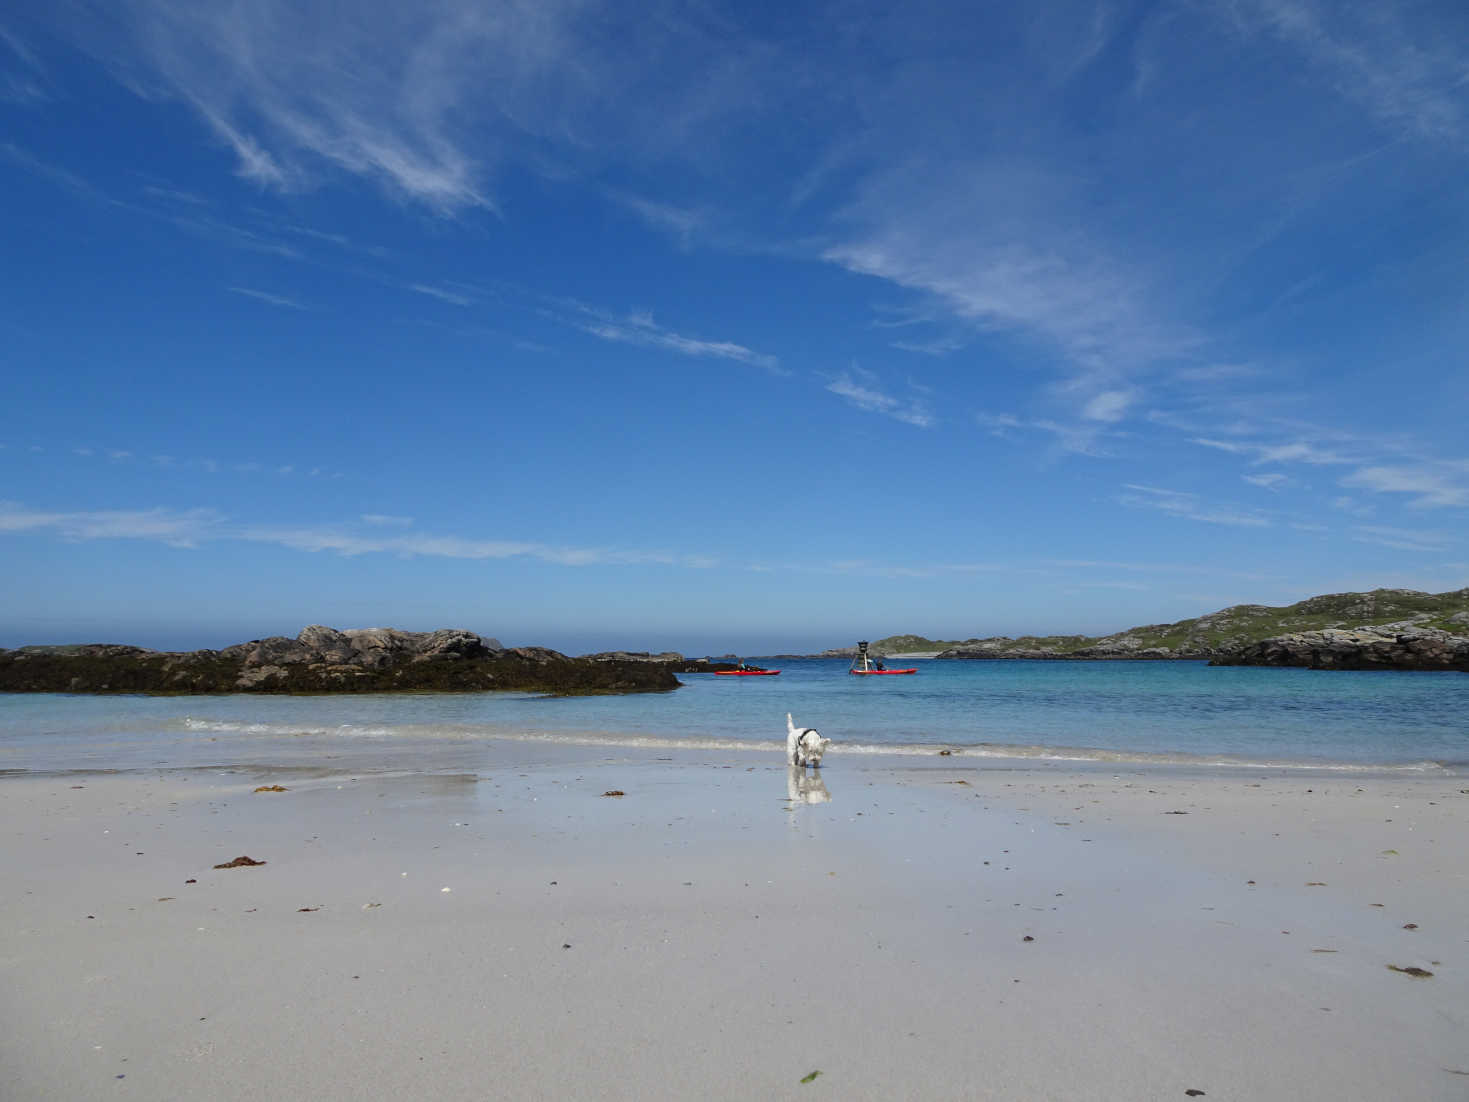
(790, 723)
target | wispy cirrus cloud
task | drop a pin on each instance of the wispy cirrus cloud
(1352, 507)
(22, 75)
(183, 210)
(1190, 507)
(176, 528)
(861, 389)
(641, 329)
(207, 465)
(267, 297)
(293, 91)
(1301, 453)
(345, 541)
(1085, 438)
(1000, 244)
(938, 346)
(428, 545)
(191, 528)
(311, 233)
(869, 568)
(1067, 292)
(1409, 77)
(1217, 373)
(1160, 568)
(226, 233)
(428, 101)
(1380, 468)
(1429, 485)
(25, 159)
(667, 217)
(1297, 451)
(1403, 539)
(443, 294)
(1027, 229)
(1109, 405)
(175, 195)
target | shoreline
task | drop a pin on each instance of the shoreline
(202, 744)
(712, 933)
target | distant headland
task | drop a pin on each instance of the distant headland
(1381, 629)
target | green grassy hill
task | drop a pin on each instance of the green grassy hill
(1239, 625)
(901, 644)
(1244, 624)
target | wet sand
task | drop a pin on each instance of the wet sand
(932, 930)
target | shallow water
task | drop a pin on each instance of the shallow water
(1185, 713)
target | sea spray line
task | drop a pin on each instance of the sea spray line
(988, 751)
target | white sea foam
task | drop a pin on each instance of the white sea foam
(993, 752)
(287, 730)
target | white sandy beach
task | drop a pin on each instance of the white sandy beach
(704, 936)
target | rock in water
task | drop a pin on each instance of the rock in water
(324, 660)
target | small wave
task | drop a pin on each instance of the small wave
(1125, 757)
(286, 730)
(649, 742)
(1080, 755)
(1088, 755)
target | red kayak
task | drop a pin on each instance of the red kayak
(877, 673)
(745, 673)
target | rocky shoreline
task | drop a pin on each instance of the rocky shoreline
(1107, 650)
(1382, 648)
(325, 660)
(1400, 629)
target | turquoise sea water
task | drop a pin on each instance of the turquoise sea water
(1160, 712)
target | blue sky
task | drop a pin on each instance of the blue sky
(717, 326)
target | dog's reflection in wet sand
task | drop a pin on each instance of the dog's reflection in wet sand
(804, 787)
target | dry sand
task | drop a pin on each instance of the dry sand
(933, 931)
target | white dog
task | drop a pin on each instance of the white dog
(804, 745)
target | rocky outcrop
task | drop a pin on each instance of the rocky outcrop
(634, 656)
(1128, 647)
(324, 660)
(1380, 648)
(367, 648)
(1000, 646)
(670, 660)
